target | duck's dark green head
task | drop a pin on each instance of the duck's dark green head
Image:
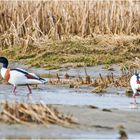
(4, 61)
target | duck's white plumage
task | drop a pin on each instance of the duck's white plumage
(135, 85)
(19, 76)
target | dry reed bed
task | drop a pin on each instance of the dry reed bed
(32, 22)
(23, 113)
(100, 83)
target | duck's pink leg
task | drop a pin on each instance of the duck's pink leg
(134, 98)
(30, 91)
(14, 90)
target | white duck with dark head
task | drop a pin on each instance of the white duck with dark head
(135, 85)
(19, 77)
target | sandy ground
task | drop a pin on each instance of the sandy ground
(92, 123)
(105, 121)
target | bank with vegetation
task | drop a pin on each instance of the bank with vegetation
(53, 34)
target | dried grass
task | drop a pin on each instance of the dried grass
(100, 83)
(23, 113)
(32, 22)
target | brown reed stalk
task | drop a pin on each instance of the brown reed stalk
(24, 113)
(43, 20)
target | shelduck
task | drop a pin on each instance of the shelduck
(135, 85)
(19, 77)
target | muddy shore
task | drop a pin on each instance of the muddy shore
(92, 123)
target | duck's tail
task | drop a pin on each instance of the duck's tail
(44, 80)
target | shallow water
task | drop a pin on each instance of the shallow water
(40, 132)
(63, 95)
(51, 94)
(91, 71)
